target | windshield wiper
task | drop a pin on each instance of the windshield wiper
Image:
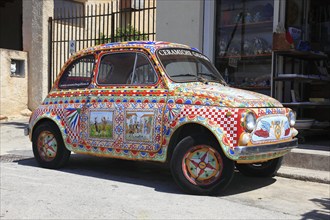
(199, 78)
(202, 79)
(207, 74)
(187, 74)
(216, 79)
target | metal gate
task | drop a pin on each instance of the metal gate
(76, 28)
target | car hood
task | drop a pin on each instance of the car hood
(218, 94)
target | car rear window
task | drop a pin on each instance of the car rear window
(78, 74)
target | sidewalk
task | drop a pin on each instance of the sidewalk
(310, 161)
(301, 164)
(12, 138)
(304, 174)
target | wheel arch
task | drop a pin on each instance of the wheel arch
(191, 128)
(50, 120)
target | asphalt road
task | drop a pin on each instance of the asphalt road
(100, 188)
(94, 188)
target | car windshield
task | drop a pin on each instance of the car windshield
(184, 65)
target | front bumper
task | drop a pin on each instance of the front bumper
(262, 150)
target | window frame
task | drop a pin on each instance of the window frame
(134, 66)
(73, 62)
(192, 50)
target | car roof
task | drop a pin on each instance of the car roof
(151, 46)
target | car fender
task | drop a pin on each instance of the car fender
(175, 123)
(40, 116)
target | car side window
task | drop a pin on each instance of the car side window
(126, 69)
(78, 74)
(144, 72)
(115, 68)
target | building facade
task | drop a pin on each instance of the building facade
(276, 47)
(36, 43)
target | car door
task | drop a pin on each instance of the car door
(125, 111)
(69, 101)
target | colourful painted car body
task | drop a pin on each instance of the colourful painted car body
(146, 121)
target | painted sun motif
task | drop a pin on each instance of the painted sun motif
(202, 165)
(73, 118)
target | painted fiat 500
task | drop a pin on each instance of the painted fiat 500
(164, 102)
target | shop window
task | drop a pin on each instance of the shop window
(244, 43)
(319, 21)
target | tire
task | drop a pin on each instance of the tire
(48, 146)
(266, 169)
(199, 166)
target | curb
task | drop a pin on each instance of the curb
(310, 159)
(304, 174)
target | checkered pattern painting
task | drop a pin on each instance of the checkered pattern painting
(226, 118)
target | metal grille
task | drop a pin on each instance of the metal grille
(73, 29)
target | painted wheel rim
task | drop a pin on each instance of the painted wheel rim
(202, 165)
(47, 146)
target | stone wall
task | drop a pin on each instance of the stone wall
(13, 82)
(35, 40)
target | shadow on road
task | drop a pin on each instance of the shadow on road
(154, 175)
(19, 125)
(319, 214)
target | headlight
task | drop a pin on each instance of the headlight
(292, 118)
(250, 121)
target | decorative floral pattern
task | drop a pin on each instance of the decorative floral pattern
(143, 119)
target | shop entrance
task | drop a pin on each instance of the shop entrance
(306, 68)
(298, 73)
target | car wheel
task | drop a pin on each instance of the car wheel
(266, 169)
(48, 146)
(199, 166)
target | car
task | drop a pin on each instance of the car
(162, 102)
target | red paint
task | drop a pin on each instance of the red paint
(164, 141)
(179, 101)
(191, 116)
(225, 140)
(173, 123)
(262, 133)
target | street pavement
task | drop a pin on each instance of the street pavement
(101, 188)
